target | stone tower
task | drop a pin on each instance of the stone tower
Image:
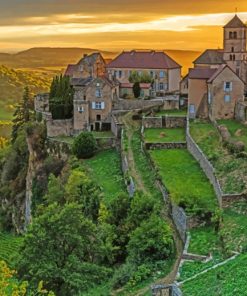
(235, 53)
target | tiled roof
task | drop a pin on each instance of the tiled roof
(210, 56)
(235, 23)
(70, 70)
(143, 60)
(130, 85)
(201, 73)
(219, 70)
(90, 59)
(80, 81)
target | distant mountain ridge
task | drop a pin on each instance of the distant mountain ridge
(60, 57)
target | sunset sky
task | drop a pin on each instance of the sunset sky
(115, 24)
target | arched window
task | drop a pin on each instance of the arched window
(235, 35)
(233, 57)
(230, 57)
(230, 35)
(232, 49)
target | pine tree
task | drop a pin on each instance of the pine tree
(22, 113)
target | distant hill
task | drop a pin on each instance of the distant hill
(47, 57)
(61, 57)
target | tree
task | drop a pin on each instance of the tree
(22, 113)
(61, 98)
(151, 241)
(144, 77)
(137, 90)
(84, 145)
(61, 247)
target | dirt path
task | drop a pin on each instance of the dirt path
(130, 128)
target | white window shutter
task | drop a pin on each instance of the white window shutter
(102, 105)
(93, 105)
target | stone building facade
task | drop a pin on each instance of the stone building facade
(164, 71)
(218, 80)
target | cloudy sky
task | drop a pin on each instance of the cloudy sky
(115, 24)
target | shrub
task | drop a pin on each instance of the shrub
(123, 275)
(84, 145)
(137, 90)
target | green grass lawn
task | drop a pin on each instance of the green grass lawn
(185, 180)
(233, 126)
(164, 135)
(231, 171)
(9, 247)
(175, 112)
(226, 280)
(105, 168)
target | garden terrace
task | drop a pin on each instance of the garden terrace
(173, 112)
(187, 184)
(105, 169)
(229, 169)
(164, 135)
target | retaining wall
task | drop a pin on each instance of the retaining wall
(116, 127)
(124, 104)
(166, 121)
(204, 164)
(162, 146)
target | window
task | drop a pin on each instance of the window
(235, 36)
(230, 35)
(227, 98)
(98, 105)
(85, 97)
(80, 109)
(227, 86)
(120, 73)
(192, 108)
(151, 73)
(81, 68)
(98, 117)
(162, 74)
(161, 86)
(233, 57)
(232, 49)
(98, 93)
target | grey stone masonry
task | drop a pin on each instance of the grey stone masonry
(161, 146)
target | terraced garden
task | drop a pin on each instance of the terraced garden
(9, 247)
(164, 135)
(184, 179)
(105, 168)
(174, 112)
(230, 170)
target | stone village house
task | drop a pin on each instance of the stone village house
(165, 72)
(218, 81)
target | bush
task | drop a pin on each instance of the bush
(123, 275)
(84, 145)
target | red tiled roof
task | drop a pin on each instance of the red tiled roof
(143, 60)
(70, 69)
(130, 85)
(201, 73)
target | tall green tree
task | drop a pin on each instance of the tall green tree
(23, 113)
(62, 249)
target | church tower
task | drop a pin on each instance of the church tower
(235, 53)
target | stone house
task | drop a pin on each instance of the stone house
(164, 71)
(214, 93)
(234, 52)
(219, 78)
(93, 102)
(92, 65)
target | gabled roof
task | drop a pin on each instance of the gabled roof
(70, 70)
(210, 56)
(90, 59)
(235, 22)
(219, 70)
(201, 73)
(143, 60)
(80, 81)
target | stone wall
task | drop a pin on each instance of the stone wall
(116, 127)
(180, 220)
(152, 122)
(58, 148)
(164, 121)
(161, 146)
(166, 290)
(124, 104)
(241, 111)
(55, 128)
(204, 164)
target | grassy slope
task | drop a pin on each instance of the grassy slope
(105, 168)
(227, 280)
(230, 170)
(234, 126)
(162, 135)
(182, 175)
(9, 247)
